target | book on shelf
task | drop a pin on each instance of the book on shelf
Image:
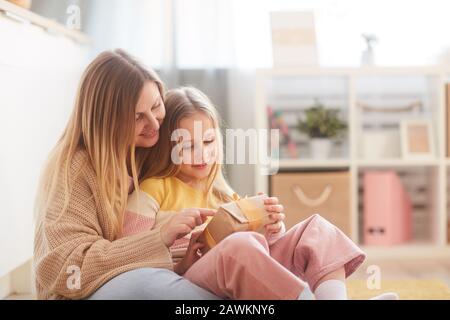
(277, 121)
(387, 209)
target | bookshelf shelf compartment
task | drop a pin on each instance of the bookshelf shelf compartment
(289, 96)
(396, 163)
(352, 90)
(420, 183)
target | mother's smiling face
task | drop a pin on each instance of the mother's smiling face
(150, 112)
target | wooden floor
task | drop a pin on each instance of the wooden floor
(408, 269)
(390, 270)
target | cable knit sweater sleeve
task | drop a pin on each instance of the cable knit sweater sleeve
(76, 252)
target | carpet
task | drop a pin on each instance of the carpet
(406, 289)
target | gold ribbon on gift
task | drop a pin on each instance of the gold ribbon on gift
(250, 211)
(209, 238)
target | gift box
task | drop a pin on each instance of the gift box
(242, 214)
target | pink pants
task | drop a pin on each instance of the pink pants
(245, 266)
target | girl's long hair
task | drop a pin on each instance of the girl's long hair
(103, 125)
(181, 103)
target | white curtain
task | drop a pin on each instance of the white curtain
(135, 25)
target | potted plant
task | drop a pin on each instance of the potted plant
(321, 124)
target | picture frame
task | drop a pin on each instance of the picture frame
(294, 41)
(417, 140)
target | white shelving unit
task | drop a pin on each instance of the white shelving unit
(348, 86)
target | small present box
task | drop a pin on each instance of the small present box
(242, 214)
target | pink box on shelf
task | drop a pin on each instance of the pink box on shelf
(387, 209)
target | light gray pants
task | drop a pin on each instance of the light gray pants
(151, 284)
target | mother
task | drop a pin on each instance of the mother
(83, 192)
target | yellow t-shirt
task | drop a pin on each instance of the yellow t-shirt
(172, 194)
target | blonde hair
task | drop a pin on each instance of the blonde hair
(103, 125)
(181, 103)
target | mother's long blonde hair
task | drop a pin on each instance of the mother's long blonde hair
(103, 125)
(181, 103)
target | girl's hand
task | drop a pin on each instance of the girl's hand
(191, 256)
(276, 215)
(182, 223)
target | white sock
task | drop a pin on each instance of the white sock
(331, 290)
(306, 295)
(386, 296)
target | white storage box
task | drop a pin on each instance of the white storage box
(380, 144)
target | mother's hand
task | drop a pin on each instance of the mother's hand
(182, 223)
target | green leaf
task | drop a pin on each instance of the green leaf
(321, 122)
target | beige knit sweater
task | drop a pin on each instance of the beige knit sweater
(76, 253)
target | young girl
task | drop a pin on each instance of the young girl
(313, 256)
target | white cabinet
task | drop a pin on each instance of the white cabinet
(39, 74)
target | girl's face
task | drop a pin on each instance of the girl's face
(199, 150)
(150, 113)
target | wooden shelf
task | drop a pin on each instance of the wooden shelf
(425, 251)
(310, 163)
(23, 15)
(356, 71)
(362, 163)
(396, 163)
